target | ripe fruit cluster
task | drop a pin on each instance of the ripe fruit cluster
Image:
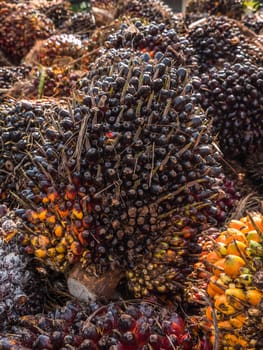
(122, 326)
(235, 286)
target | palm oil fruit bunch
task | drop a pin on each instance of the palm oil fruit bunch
(220, 39)
(19, 285)
(21, 25)
(152, 10)
(233, 97)
(121, 325)
(152, 38)
(235, 286)
(230, 8)
(105, 179)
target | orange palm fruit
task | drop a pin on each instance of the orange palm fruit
(254, 296)
(238, 321)
(232, 265)
(236, 297)
(222, 305)
(218, 266)
(234, 234)
(236, 248)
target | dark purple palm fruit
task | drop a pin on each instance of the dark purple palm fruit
(120, 325)
(21, 25)
(21, 289)
(232, 97)
(217, 40)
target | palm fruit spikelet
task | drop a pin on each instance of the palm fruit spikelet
(103, 180)
(121, 325)
(235, 286)
(19, 285)
(220, 39)
(232, 97)
(21, 25)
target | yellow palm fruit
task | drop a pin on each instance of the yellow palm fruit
(232, 265)
(238, 321)
(222, 305)
(254, 296)
(236, 297)
(236, 248)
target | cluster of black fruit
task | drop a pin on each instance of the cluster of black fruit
(220, 39)
(152, 38)
(122, 326)
(10, 75)
(232, 97)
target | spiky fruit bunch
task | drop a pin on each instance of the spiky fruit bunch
(19, 285)
(55, 49)
(233, 97)
(152, 38)
(120, 325)
(102, 182)
(9, 75)
(220, 39)
(230, 8)
(21, 25)
(235, 287)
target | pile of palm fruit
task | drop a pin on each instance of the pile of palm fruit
(131, 170)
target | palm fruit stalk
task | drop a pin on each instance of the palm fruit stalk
(21, 25)
(235, 288)
(232, 97)
(20, 286)
(120, 325)
(102, 181)
(217, 40)
(254, 21)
